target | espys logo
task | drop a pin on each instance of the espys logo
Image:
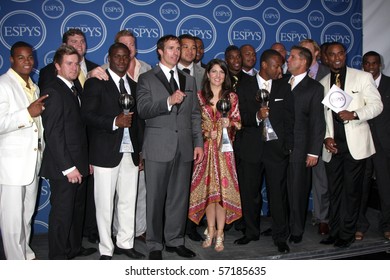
(291, 32)
(356, 21)
(338, 32)
(83, 1)
(337, 99)
(169, 11)
(222, 14)
(141, 3)
(22, 25)
(247, 30)
(295, 6)
(48, 58)
(316, 18)
(337, 7)
(196, 3)
(199, 26)
(247, 5)
(44, 198)
(220, 55)
(91, 25)
(113, 9)
(271, 16)
(145, 27)
(356, 62)
(53, 8)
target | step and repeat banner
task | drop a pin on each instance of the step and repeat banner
(219, 23)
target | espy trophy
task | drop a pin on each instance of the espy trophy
(126, 101)
(223, 105)
(262, 96)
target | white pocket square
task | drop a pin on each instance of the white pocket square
(277, 99)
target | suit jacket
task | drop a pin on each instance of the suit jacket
(166, 131)
(100, 106)
(65, 133)
(322, 71)
(309, 127)
(18, 136)
(380, 125)
(48, 73)
(198, 74)
(281, 117)
(366, 102)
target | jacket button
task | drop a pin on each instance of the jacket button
(35, 149)
(35, 130)
(176, 131)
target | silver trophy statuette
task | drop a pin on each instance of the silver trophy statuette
(262, 96)
(223, 105)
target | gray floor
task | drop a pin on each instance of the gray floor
(263, 249)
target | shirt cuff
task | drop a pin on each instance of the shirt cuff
(67, 171)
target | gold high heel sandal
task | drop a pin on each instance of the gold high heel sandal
(219, 241)
(210, 234)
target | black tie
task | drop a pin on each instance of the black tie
(122, 86)
(187, 71)
(172, 82)
(75, 91)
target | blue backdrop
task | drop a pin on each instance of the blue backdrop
(218, 22)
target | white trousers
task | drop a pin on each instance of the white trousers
(122, 182)
(17, 206)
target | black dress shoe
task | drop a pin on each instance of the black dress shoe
(195, 236)
(267, 232)
(93, 238)
(328, 241)
(344, 243)
(282, 247)
(84, 252)
(295, 239)
(155, 255)
(181, 250)
(245, 240)
(105, 258)
(131, 253)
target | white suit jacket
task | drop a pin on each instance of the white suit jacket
(366, 103)
(19, 154)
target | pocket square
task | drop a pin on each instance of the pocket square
(278, 99)
(355, 91)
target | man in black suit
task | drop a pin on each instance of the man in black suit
(65, 158)
(380, 130)
(115, 162)
(258, 154)
(309, 131)
(76, 38)
(319, 179)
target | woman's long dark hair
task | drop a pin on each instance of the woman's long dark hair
(226, 85)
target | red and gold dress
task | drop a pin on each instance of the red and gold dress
(214, 180)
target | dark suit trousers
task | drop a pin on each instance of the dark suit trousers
(66, 218)
(298, 188)
(382, 171)
(363, 224)
(90, 225)
(250, 176)
(345, 181)
(276, 182)
(167, 188)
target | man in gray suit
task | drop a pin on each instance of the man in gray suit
(166, 99)
(319, 179)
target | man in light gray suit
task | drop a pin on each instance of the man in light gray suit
(166, 99)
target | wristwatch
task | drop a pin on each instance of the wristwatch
(355, 116)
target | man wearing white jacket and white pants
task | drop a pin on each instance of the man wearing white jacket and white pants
(21, 146)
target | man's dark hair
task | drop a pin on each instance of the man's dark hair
(161, 43)
(115, 46)
(19, 44)
(372, 53)
(64, 50)
(72, 32)
(305, 54)
(231, 48)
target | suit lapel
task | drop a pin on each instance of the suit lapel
(160, 75)
(182, 81)
(68, 91)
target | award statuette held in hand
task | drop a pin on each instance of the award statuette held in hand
(223, 106)
(262, 96)
(126, 101)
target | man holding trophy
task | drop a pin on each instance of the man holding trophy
(114, 151)
(267, 141)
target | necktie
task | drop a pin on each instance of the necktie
(266, 86)
(187, 71)
(291, 82)
(235, 82)
(74, 90)
(122, 86)
(81, 78)
(337, 80)
(172, 82)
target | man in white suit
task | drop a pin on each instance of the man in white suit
(21, 145)
(347, 145)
